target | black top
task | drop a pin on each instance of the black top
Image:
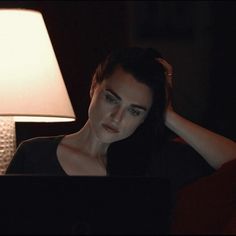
(178, 162)
(37, 156)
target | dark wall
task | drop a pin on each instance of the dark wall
(221, 115)
(197, 38)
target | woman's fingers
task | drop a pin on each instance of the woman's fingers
(167, 66)
(168, 70)
(169, 75)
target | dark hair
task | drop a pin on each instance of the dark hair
(142, 64)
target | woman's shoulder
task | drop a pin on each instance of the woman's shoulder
(39, 145)
(42, 140)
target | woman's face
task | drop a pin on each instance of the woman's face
(118, 106)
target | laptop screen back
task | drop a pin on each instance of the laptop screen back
(84, 205)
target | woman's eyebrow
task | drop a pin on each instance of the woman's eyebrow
(113, 93)
(139, 107)
(119, 98)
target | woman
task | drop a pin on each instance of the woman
(126, 119)
(123, 92)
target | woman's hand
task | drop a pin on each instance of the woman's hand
(168, 70)
(169, 83)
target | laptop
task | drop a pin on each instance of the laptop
(75, 205)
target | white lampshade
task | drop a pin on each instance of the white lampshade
(31, 84)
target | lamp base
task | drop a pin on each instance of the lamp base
(7, 142)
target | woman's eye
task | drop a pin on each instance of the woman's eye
(134, 112)
(110, 99)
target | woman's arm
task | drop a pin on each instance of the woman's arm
(214, 148)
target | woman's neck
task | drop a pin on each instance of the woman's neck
(85, 141)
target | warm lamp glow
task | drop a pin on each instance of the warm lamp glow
(31, 84)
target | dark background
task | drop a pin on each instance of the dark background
(196, 37)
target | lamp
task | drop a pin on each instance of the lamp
(31, 84)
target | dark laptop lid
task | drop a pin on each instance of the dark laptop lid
(84, 205)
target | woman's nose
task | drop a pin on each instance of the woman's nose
(117, 114)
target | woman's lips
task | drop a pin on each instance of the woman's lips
(110, 129)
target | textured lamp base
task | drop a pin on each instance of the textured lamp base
(7, 142)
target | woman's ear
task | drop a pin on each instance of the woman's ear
(92, 88)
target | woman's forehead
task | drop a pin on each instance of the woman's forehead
(127, 87)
